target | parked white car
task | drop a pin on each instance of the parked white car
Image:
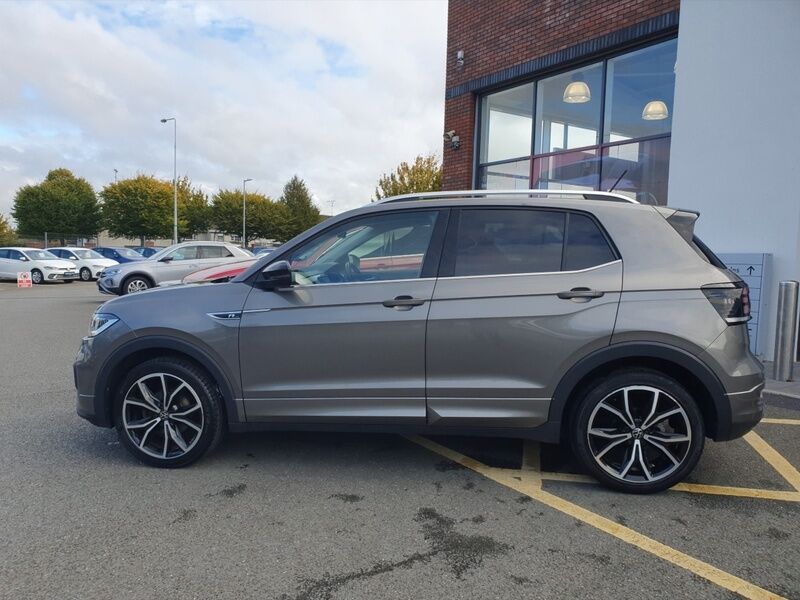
(42, 265)
(88, 262)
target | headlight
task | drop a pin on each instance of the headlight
(110, 272)
(49, 268)
(101, 322)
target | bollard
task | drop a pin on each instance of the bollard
(786, 330)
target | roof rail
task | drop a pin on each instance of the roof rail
(585, 194)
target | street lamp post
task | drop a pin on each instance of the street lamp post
(174, 178)
(115, 175)
(244, 212)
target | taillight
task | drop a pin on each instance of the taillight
(732, 301)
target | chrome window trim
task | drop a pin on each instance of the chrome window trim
(527, 274)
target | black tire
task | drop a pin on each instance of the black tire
(645, 453)
(36, 274)
(135, 280)
(86, 274)
(211, 422)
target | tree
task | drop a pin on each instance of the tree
(300, 210)
(264, 217)
(60, 205)
(7, 235)
(424, 175)
(194, 212)
(139, 207)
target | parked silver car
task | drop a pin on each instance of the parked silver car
(171, 263)
(503, 314)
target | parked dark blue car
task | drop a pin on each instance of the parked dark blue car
(121, 255)
(148, 251)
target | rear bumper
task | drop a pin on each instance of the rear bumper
(747, 409)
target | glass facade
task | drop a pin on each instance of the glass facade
(604, 125)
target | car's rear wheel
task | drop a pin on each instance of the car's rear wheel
(168, 412)
(638, 431)
(36, 276)
(135, 284)
(86, 274)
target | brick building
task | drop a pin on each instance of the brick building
(502, 54)
(693, 103)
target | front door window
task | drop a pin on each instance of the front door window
(378, 248)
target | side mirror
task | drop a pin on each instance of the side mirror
(165, 259)
(23, 258)
(275, 276)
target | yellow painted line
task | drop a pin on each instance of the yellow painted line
(724, 490)
(532, 488)
(781, 421)
(694, 488)
(774, 458)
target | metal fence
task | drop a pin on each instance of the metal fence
(50, 240)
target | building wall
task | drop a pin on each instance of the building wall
(498, 34)
(736, 130)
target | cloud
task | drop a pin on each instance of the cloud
(337, 92)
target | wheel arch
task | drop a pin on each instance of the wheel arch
(690, 371)
(140, 274)
(141, 349)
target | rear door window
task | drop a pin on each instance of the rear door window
(505, 241)
(586, 246)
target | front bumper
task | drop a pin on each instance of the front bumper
(106, 285)
(61, 276)
(93, 401)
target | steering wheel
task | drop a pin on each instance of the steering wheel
(351, 267)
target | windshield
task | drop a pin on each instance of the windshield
(40, 255)
(128, 253)
(86, 253)
(161, 253)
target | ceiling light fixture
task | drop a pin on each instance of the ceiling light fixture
(577, 92)
(655, 110)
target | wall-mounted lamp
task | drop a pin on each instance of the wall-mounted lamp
(655, 110)
(455, 141)
(460, 59)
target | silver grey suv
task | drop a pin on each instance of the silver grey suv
(556, 316)
(168, 265)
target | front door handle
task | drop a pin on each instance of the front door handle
(580, 294)
(403, 302)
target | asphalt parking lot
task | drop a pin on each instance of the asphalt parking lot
(318, 516)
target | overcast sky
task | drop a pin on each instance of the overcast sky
(337, 92)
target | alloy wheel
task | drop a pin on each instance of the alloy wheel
(36, 277)
(86, 274)
(136, 285)
(162, 415)
(639, 434)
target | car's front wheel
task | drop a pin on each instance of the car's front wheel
(168, 412)
(135, 284)
(638, 431)
(86, 274)
(36, 276)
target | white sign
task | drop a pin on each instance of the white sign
(753, 268)
(24, 279)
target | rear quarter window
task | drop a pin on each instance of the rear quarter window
(586, 246)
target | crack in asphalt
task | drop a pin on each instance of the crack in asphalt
(460, 551)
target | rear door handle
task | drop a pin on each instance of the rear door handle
(403, 302)
(580, 293)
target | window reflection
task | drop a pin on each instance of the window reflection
(568, 110)
(639, 93)
(639, 170)
(567, 171)
(506, 176)
(507, 118)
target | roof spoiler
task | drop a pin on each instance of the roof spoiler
(682, 220)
